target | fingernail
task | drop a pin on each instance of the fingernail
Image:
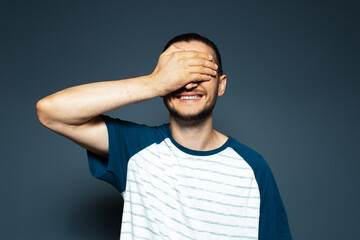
(210, 57)
(216, 66)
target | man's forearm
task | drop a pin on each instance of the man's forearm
(79, 104)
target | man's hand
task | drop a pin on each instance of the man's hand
(177, 67)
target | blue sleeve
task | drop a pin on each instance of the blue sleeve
(273, 218)
(125, 139)
(273, 224)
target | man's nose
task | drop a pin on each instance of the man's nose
(191, 85)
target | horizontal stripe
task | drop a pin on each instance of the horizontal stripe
(156, 166)
(192, 229)
(222, 203)
(133, 236)
(189, 227)
(133, 213)
(158, 179)
(143, 157)
(206, 160)
(194, 219)
(215, 172)
(216, 192)
(213, 181)
(193, 208)
(139, 205)
(184, 176)
(167, 226)
(192, 187)
(139, 226)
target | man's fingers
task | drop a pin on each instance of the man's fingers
(202, 70)
(173, 49)
(196, 54)
(191, 85)
(196, 77)
(202, 62)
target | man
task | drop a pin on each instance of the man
(182, 180)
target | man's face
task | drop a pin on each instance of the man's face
(196, 100)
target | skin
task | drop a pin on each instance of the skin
(182, 68)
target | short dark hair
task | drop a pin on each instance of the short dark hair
(187, 37)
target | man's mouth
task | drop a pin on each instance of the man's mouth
(189, 98)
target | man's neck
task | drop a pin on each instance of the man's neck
(198, 135)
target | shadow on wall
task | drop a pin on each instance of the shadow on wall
(96, 218)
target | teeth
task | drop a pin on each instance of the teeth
(189, 97)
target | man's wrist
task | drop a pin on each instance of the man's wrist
(152, 83)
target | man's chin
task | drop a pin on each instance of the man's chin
(190, 117)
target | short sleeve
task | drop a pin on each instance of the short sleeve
(125, 139)
(273, 218)
(273, 223)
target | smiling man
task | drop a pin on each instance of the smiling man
(182, 180)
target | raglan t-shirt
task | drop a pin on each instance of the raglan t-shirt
(172, 192)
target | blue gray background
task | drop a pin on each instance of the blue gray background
(292, 95)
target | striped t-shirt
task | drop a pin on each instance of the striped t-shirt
(172, 192)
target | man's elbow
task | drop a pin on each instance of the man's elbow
(43, 110)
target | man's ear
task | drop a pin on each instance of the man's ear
(222, 85)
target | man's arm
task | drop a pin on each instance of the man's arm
(74, 112)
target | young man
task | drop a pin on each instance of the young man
(182, 180)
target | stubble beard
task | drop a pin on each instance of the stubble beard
(190, 117)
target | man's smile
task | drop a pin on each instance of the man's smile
(189, 97)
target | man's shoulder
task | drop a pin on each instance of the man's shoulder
(252, 157)
(121, 123)
(240, 147)
(133, 136)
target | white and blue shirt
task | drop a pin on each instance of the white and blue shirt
(174, 193)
